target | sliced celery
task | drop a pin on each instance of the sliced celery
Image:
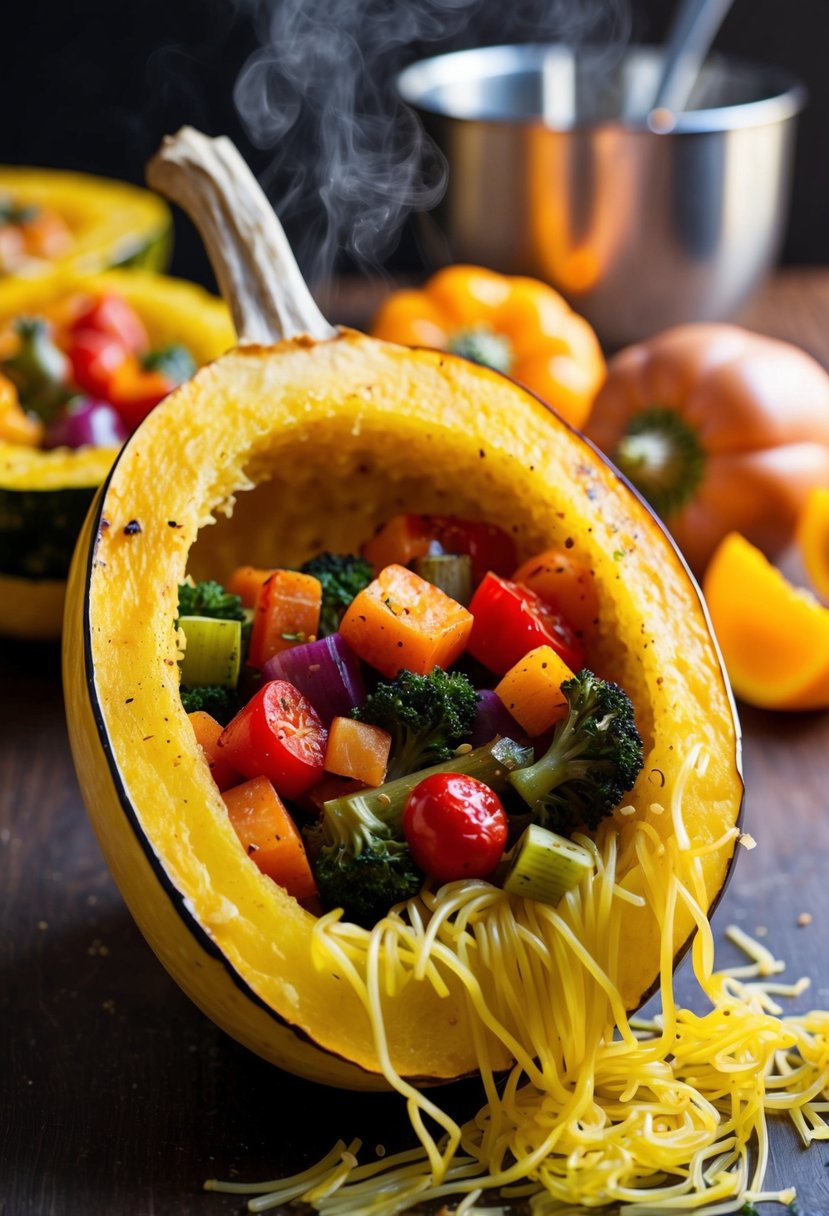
(545, 866)
(451, 572)
(213, 651)
(491, 764)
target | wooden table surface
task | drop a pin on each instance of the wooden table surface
(118, 1097)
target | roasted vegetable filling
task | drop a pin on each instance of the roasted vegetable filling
(422, 712)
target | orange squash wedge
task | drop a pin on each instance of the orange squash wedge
(774, 636)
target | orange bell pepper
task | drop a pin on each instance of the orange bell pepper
(722, 430)
(514, 324)
(774, 637)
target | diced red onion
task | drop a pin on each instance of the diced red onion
(493, 718)
(327, 672)
(84, 422)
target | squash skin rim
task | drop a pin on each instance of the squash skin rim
(177, 899)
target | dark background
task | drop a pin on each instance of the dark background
(96, 84)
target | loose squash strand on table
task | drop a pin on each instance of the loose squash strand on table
(646, 1115)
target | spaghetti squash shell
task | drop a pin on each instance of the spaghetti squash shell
(267, 456)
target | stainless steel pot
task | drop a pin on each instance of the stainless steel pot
(555, 172)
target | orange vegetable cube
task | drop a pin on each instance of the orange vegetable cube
(531, 690)
(402, 621)
(563, 582)
(207, 731)
(246, 582)
(287, 612)
(357, 749)
(270, 837)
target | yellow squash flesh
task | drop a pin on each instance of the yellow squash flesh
(173, 311)
(311, 444)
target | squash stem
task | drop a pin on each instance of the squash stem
(254, 264)
(662, 455)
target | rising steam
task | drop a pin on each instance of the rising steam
(318, 94)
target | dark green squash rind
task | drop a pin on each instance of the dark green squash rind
(38, 530)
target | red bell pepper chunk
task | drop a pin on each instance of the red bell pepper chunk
(510, 620)
(95, 358)
(278, 735)
(112, 315)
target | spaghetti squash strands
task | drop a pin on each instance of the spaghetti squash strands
(661, 1116)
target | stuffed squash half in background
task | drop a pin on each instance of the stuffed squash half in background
(82, 358)
(306, 438)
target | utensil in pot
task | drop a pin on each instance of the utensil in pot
(693, 29)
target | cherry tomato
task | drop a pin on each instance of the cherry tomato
(406, 537)
(277, 735)
(455, 826)
(510, 620)
(95, 358)
(113, 316)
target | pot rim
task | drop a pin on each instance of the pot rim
(786, 96)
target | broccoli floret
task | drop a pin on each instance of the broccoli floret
(220, 702)
(426, 716)
(366, 884)
(174, 360)
(343, 576)
(594, 758)
(361, 860)
(209, 599)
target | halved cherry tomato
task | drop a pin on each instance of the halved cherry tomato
(112, 315)
(278, 735)
(510, 620)
(406, 537)
(455, 826)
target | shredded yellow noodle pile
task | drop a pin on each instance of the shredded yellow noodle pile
(656, 1117)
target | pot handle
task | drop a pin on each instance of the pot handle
(254, 264)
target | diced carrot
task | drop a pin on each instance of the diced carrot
(531, 690)
(563, 582)
(357, 749)
(402, 621)
(246, 581)
(398, 542)
(270, 837)
(287, 612)
(207, 731)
